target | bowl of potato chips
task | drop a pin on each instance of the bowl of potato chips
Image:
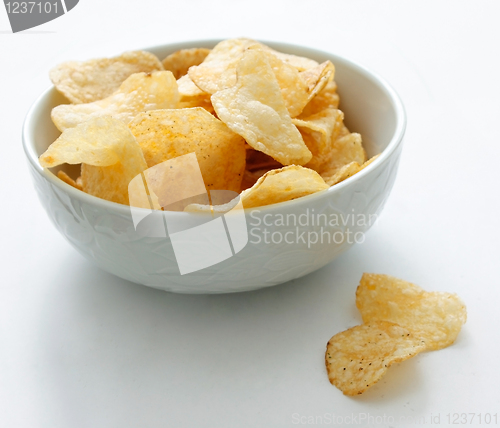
(214, 166)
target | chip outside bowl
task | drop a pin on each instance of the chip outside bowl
(104, 232)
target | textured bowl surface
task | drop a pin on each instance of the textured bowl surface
(281, 237)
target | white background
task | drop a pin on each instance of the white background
(81, 348)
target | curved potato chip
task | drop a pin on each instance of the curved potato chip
(109, 154)
(254, 108)
(88, 81)
(299, 62)
(68, 180)
(369, 161)
(317, 78)
(344, 149)
(293, 88)
(218, 70)
(357, 358)
(318, 130)
(277, 185)
(180, 61)
(435, 317)
(140, 92)
(166, 134)
(280, 185)
(192, 96)
(187, 88)
(345, 172)
(326, 98)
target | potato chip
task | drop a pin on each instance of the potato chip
(68, 180)
(89, 81)
(435, 317)
(347, 171)
(277, 185)
(294, 89)
(299, 62)
(357, 358)
(369, 161)
(254, 108)
(192, 96)
(317, 78)
(325, 98)
(166, 134)
(187, 88)
(297, 88)
(202, 101)
(110, 155)
(280, 185)
(218, 70)
(180, 61)
(318, 131)
(140, 92)
(346, 148)
(343, 173)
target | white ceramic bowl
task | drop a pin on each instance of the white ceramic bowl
(104, 232)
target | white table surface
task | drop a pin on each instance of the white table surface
(81, 348)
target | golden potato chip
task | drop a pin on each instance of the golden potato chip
(280, 185)
(357, 358)
(277, 185)
(317, 78)
(346, 148)
(187, 88)
(294, 89)
(299, 62)
(344, 172)
(89, 81)
(325, 98)
(254, 108)
(140, 92)
(318, 130)
(347, 171)
(297, 88)
(68, 180)
(369, 161)
(110, 155)
(192, 96)
(435, 317)
(218, 70)
(166, 134)
(180, 61)
(200, 101)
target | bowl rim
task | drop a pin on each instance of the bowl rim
(392, 146)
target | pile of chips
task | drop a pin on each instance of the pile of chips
(260, 122)
(400, 320)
